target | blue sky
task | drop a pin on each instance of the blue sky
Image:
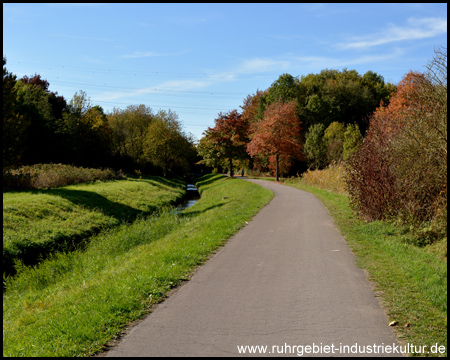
(201, 59)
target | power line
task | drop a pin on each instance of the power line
(157, 91)
(163, 106)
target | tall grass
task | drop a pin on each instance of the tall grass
(331, 178)
(73, 304)
(42, 176)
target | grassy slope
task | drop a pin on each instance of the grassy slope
(411, 281)
(37, 222)
(121, 273)
(44, 308)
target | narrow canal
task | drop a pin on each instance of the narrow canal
(192, 196)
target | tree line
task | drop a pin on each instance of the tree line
(298, 122)
(391, 138)
(40, 126)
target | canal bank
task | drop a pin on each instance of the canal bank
(191, 197)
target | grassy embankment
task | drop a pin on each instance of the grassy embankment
(73, 304)
(411, 280)
(37, 222)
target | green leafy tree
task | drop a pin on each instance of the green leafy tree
(315, 148)
(381, 91)
(317, 110)
(333, 138)
(14, 124)
(167, 146)
(342, 96)
(128, 135)
(285, 89)
(34, 105)
(352, 141)
(87, 132)
(210, 152)
(44, 109)
(96, 137)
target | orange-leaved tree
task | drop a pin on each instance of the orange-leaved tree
(401, 168)
(277, 133)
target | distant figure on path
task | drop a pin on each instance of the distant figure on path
(242, 172)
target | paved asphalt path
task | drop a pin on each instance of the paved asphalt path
(286, 279)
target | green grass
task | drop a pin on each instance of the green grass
(39, 222)
(73, 304)
(411, 280)
(126, 269)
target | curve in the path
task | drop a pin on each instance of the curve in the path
(284, 281)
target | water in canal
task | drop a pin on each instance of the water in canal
(192, 196)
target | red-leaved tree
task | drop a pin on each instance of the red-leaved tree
(226, 141)
(277, 134)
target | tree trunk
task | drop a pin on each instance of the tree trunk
(277, 174)
(231, 167)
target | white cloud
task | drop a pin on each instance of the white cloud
(416, 29)
(139, 54)
(183, 85)
(246, 67)
(250, 67)
(262, 65)
(91, 60)
(318, 62)
(170, 86)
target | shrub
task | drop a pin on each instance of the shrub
(41, 176)
(371, 185)
(401, 168)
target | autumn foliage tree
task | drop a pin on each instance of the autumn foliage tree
(277, 134)
(401, 167)
(250, 108)
(226, 141)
